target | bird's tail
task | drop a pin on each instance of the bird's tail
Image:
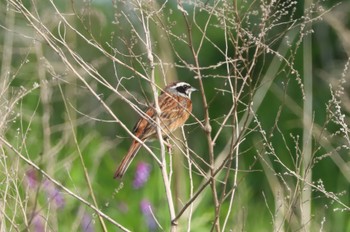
(123, 166)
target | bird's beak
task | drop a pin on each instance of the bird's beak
(193, 89)
(190, 90)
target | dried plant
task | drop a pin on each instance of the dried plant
(265, 127)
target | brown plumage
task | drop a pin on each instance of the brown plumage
(175, 106)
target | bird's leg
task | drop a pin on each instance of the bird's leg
(168, 144)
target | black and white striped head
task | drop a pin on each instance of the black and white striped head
(180, 88)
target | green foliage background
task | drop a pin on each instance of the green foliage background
(50, 117)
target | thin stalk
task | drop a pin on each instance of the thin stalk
(306, 169)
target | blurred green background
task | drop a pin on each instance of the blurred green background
(286, 60)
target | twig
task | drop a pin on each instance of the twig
(148, 44)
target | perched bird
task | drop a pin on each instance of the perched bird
(175, 105)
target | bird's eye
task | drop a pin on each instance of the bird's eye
(182, 89)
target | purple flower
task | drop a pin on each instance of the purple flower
(32, 178)
(141, 175)
(38, 223)
(87, 223)
(145, 207)
(123, 207)
(53, 194)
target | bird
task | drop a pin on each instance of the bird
(175, 108)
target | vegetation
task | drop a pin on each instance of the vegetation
(266, 147)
